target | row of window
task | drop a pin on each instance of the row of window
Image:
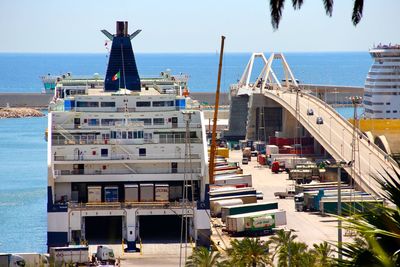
(382, 80)
(370, 94)
(379, 111)
(94, 104)
(385, 67)
(155, 104)
(127, 135)
(107, 104)
(383, 73)
(383, 86)
(369, 103)
(112, 122)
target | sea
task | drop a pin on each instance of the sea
(23, 156)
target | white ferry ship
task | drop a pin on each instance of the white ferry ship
(382, 98)
(127, 157)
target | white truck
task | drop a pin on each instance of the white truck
(11, 260)
(105, 255)
(73, 254)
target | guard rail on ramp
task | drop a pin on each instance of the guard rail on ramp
(336, 136)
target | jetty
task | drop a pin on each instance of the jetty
(19, 113)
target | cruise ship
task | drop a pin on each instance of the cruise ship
(382, 98)
(127, 157)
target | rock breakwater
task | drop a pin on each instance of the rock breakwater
(19, 113)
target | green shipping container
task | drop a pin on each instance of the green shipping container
(247, 208)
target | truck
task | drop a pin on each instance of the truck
(234, 179)
(216, 211)
(76, 254)
(105, 255)
(250, 224)
(289, 192)
(246, 208)
(247, 153)
(35, 259)
(11, 260)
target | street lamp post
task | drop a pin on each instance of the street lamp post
(339, 207)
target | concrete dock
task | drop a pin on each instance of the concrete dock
(309, 227)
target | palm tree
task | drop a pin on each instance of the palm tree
(202, 257)
(281, 240)
(322, 253)
(249, 252)
(378, 228)
(276, 8)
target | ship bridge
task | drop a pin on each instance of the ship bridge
(336, 135)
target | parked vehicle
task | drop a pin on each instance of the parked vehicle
(299, 202)
(250, 224)
(310, 112)
(275, 167)
(290, 192)
(247, 153)
(11, 260)
(246, 208)
(233, 179)
(105, 255)
(245, 160)
(320, 120)
(73, 254)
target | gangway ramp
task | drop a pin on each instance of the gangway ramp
(336, 136)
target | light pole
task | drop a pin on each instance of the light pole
(339, 206)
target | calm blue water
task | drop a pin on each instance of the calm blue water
(23, 172)
(21, 72)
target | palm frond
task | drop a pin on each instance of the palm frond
(357, 11)
(297, 4)
(328, 5)
(276, 8)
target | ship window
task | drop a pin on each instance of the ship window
(107, 104)
(118, 135)
(113, 134)
(87, 104)
(158, 103)
(142, 152)
(140, 134)
(394, 111)
(93, 122)
(123, 135)
(158, 121)
(130, 135)
(387, 103)
(387, 111)
(169, 103)
(143, 104)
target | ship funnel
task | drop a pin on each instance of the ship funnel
(121, 71)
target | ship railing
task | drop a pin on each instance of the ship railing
(122, 156)
(98, 126)
(122, 205)
(124, 171)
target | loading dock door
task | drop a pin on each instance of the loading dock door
(103, 229)
(160, 228)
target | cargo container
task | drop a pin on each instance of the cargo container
(111, 194)
(312, 198)
(349, 205)
(247, 208)
(94, 194)
(162, 192)
(252, 198)
(272, 149)
(146, 192)
(300, 188)
(216, 211)
(260, 146)
(232, 192)
(254, 223)
(234, 179)
(72, 254)
(131, 193)
(175, 192)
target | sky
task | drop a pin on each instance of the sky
(175, 26)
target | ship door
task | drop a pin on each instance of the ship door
(77, 122)
(174, 122)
